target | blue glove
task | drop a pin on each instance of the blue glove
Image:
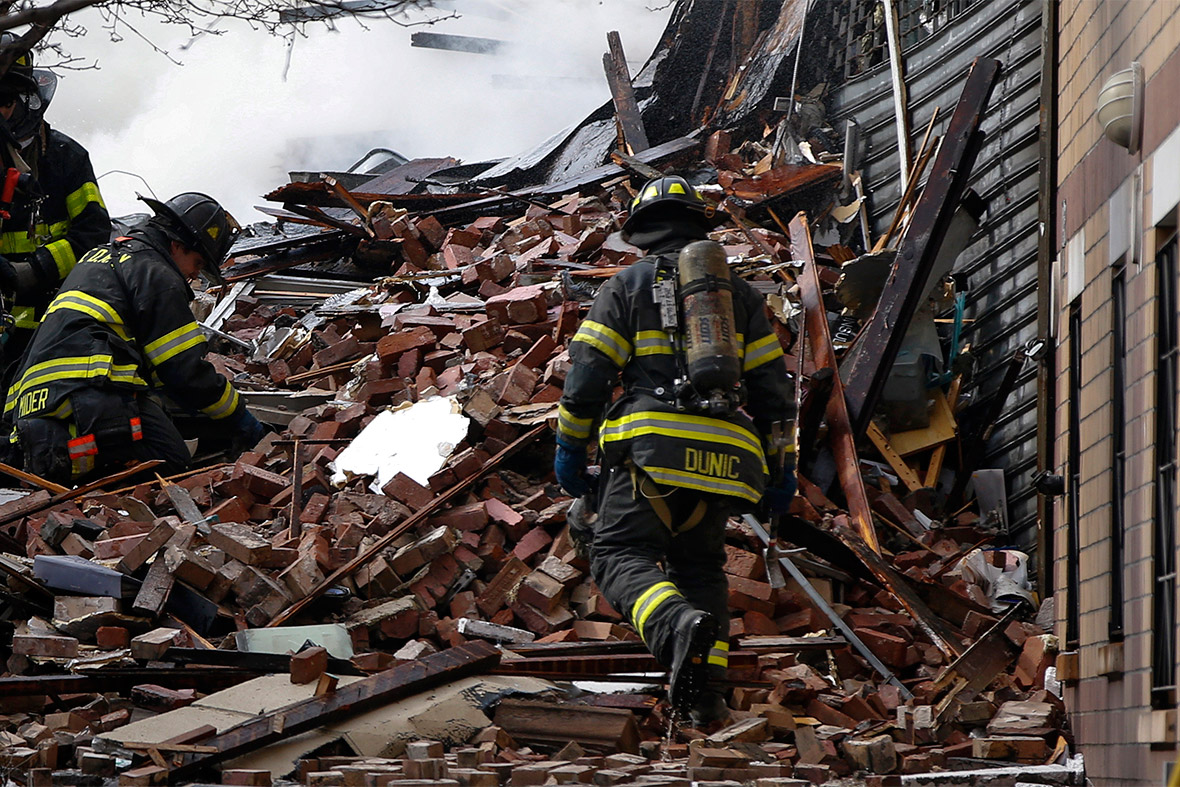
(248, 429)
(569, 465)
(778, 498)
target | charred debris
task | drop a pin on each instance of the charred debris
(384, 592)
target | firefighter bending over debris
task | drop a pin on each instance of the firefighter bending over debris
(51, 212)
(121, 326)
(679, 456)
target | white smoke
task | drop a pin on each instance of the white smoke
(227, 123)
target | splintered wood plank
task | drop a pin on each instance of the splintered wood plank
(839, 427)
(394, 684)
(893, 457)
(626, 107)
(941, 430)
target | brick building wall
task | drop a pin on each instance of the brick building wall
(1105, 201)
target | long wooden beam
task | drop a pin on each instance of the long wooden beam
(404, 680)
(869, 362)
(348, 568)
(614, 63)
(839, 429)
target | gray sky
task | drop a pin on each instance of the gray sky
(227, 123)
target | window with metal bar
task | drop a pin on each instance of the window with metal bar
(1163, 663)
(866, 44)
(1074, 490)
(1118, 463)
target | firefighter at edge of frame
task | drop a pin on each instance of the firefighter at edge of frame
(83, 400)
(51, 211)
(676, 462)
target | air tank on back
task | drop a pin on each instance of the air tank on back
(712, 355)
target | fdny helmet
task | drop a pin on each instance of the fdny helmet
(202, 224)
(662, 196)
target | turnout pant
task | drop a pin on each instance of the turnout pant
(652, 571)
(106, 431)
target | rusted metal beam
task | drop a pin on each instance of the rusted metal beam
(471, 658)
(839, 430)
(626, 107)
(870, 361)
(421, 514)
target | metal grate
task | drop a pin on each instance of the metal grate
(866, 44)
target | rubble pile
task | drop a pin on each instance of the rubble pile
(400, 532)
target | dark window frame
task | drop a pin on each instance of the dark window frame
(1118, 464)
(1167, 376)
(1073, 491)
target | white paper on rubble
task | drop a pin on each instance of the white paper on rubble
(415, 440)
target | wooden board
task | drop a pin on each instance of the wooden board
(942, 429)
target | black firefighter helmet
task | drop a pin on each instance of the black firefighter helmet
(19, 76)
(666, 196)
(33, 89)
(200, 223)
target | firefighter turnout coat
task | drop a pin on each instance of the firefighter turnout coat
(53, 230)
(622, 336)
(120, 322)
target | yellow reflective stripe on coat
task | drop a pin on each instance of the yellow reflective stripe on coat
(670, 476)
(569, 424)
(689, 427)
(648, 601)
(762, 351)
(73, 368)
(17, 243)
(83, 196)
(173, 343)
(84, 302)
(652, 343)
(719, 653)
(63, 256)
(225, 406)
(606, 340)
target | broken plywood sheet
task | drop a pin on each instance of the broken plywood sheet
(941, 429)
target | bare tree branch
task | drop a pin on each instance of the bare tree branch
(277, 17)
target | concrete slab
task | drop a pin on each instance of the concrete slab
(173, 723)
(264, 695)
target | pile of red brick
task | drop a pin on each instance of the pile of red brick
(481, 549)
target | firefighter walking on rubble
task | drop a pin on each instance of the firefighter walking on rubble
(695, 353)
(120, 327)
(51, 212)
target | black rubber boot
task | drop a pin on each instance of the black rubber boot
(710, 709)
(694, 635)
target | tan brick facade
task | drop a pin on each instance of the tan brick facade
(1112, 715)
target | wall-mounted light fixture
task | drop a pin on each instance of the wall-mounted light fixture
(1120, 108)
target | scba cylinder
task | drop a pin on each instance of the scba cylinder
(710, 334)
